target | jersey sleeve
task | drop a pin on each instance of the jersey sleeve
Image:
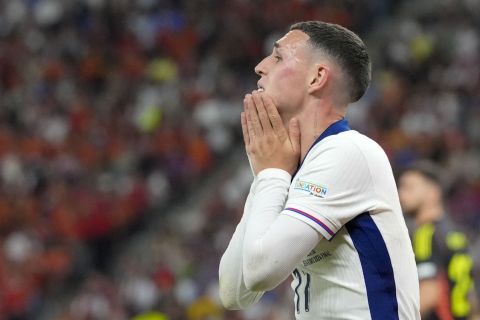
(233, 292)
(333, 186)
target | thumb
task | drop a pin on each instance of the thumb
(294, 134)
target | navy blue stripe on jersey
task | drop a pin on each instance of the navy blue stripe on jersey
(320, 223)
(376, 266)
(333, 129)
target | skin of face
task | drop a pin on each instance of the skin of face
(284, 73)
(414, 190)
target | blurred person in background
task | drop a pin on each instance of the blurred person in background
(113, 112)
(441, 251)
(334, 221)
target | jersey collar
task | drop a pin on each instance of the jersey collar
(335, 128)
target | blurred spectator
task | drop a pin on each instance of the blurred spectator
(113, 111)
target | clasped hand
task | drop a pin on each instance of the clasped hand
(267, 141)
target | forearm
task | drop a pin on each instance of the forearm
(233, 292)
(266, 263)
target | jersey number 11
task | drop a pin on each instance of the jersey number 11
(305, 280)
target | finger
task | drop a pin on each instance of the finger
(253, 123)
(274, 117)
(250, 131)
(294, 134)
(243, 120)
(262, 113)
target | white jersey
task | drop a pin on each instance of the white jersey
(345, 189)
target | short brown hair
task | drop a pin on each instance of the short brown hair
(345, 47)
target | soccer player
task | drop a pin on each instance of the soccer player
(444, 266)
(323, 205)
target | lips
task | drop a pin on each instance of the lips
(260, 87)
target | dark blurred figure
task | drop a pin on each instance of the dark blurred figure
(444, 265)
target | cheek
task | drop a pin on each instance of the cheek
(287, 85)
(288, 81)
(405, 197)
(289, 74)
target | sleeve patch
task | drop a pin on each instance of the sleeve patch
(314, 189)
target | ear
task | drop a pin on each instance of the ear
(319, 77)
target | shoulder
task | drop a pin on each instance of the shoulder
(439, 238)
(339, 162)
(349, 150)
(348, 143)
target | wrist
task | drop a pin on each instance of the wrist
(276, 173)
(258, 167)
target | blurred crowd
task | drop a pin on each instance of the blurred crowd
(114, 111)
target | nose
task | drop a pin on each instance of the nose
(260, 69)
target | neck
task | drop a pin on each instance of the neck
(429, 213)
(314, 119)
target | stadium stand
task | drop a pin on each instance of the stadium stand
(121, 165)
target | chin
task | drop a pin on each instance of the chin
(410, 212)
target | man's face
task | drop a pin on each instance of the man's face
(284, 72)
(413, 189)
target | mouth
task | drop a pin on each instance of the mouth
(260, 88)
